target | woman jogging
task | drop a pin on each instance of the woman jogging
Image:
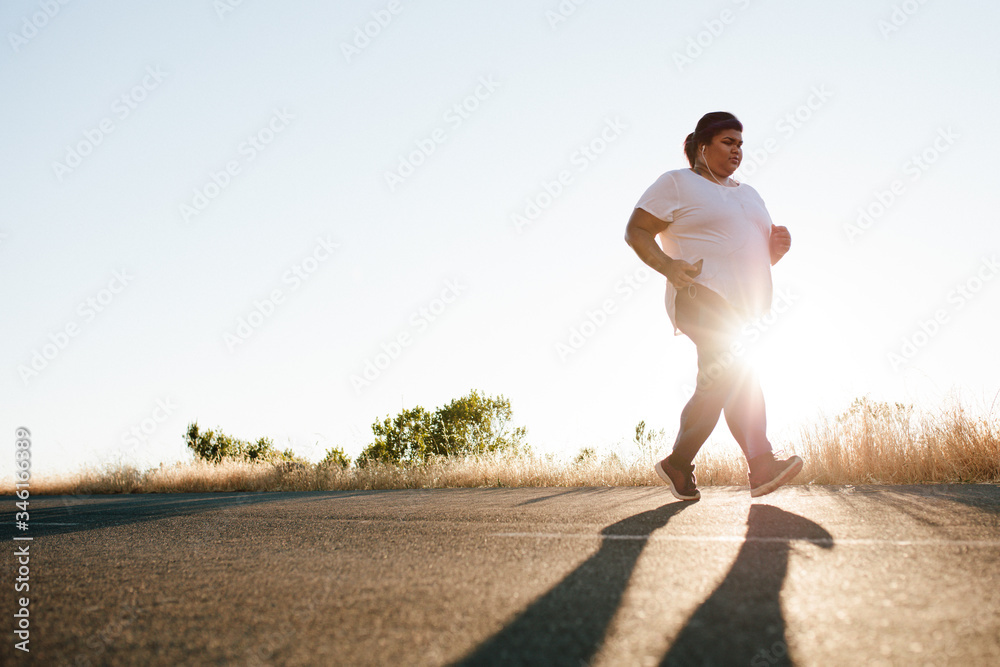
(718, 245)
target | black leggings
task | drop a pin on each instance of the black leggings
(724, 383)
(713, 325)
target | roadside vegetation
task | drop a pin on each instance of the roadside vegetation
(472, 442)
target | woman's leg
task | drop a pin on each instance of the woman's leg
(698, 420)
(724, 383)
(746, 414)
(704, 316)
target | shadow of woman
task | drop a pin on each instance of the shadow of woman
(566, 626)
(741, 621)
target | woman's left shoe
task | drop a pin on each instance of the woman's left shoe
(681, 481)
(768, 473)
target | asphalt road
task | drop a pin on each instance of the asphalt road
(621, 576)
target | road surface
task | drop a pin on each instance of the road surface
(906, 575)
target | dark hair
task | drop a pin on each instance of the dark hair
(709, 126)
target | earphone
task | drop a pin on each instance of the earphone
(710, 169)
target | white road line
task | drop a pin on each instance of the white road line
(774, 540)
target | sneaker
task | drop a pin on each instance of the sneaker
(681, 482)
(768, 473)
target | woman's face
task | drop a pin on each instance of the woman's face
(724, 154)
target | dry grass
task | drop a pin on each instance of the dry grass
(872, 443)
(878, 443)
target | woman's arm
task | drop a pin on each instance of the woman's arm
(640, 233)
(780, 242)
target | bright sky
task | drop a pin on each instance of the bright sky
(292, 219)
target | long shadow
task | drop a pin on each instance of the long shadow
(574, 492)
(741, 621)
(55, 515)
(913, 499)
(567, 625)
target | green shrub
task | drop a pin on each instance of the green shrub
(586, 456)
(335, 456)
(467, 426)
(649, 442)
(403, 439)
(216, 446)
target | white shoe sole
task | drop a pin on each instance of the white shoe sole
(785, 477)
(662, 474)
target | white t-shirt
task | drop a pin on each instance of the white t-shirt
(728, 227)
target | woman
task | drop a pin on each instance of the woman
(718, 246)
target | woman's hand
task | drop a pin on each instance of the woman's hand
(681, 273)
(780, 242)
